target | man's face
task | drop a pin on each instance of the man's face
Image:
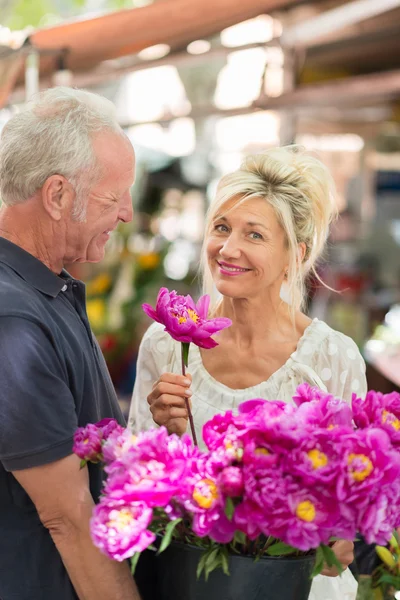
(108, 202)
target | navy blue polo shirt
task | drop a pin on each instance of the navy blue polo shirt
(53, 378)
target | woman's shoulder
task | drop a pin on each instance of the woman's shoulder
(156, 338)
(320, 338)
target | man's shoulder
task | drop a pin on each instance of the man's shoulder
(17, 297)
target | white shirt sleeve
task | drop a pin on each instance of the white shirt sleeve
(341, 367)
(155, 357)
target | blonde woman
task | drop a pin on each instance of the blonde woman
(265, 230)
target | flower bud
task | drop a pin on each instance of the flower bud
(231, 482)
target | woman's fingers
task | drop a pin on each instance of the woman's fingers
(181, 380)
(344, 551)
(170, 389)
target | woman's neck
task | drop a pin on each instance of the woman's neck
(257, 319)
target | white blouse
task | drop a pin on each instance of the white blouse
(323, 357)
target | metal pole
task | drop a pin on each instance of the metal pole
(287, 130)
(31, 75)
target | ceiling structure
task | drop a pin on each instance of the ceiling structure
(354, 63)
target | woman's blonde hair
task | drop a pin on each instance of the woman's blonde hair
(300, 189)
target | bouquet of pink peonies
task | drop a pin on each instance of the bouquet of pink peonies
(277, 479)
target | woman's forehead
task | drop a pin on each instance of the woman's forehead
(246, 208)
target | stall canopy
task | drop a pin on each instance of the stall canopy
(83, 44)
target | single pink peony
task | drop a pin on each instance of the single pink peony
(306, 393)
(203, 498)
(277, 504)
(87, 443)
(119, 530)
(107, 426)
(379, 410)
(184, 320)
(368, 463)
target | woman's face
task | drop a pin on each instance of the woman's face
(246, 250)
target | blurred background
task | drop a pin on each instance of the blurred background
(200, 83)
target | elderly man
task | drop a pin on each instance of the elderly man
(66, 169)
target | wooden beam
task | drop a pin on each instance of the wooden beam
(125, 32)
(361, 88)
(333, 20)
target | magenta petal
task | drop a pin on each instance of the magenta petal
(149, 310)
(202, 306)
(206, 344)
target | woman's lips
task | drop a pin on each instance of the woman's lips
(229, 269)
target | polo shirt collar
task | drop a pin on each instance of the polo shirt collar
(31, 269)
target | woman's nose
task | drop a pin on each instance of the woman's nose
(230, 248)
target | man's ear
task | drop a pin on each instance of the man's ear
(57, 196)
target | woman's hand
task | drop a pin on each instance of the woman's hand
(344, 551)
(167, 401)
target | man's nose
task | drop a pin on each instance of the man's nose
(126, 210)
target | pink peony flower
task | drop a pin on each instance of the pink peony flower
(379, 410)
(117, 445)
(107, 426)
(316, 460)
(87, 443)
(377, 520)
(119, 530)
(278, 505)
(203, 498)
(184, 320)
(151, 467)
(306, 393)
(368, 464)
(323, 410)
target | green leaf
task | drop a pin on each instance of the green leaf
(319, 562)
(240, 537)
(201, 565)
(331, 558)
(280, 549)
(391, 579)
(212, 560)
(169, 530)
(134, 562)
(229, 508)
(83, 463)
(225, 561)
(396, 537)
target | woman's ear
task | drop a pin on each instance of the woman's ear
(301, 252)
(57, 196)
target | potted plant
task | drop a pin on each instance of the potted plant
(277, 484)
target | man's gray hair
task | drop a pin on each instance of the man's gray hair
(53, 135)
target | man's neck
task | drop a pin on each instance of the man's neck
(21, 228)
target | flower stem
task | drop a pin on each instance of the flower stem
(185, 357)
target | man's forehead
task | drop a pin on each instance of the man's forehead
(113, 147)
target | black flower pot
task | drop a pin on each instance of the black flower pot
(172, 576)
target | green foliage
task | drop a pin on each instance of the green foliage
(24, 13)
(216, 556)
(169, 531)
(325, 555)
(229, 508)
(280, 549)
(134, 562)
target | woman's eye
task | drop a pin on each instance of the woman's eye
(221, 228)
(256, 236)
